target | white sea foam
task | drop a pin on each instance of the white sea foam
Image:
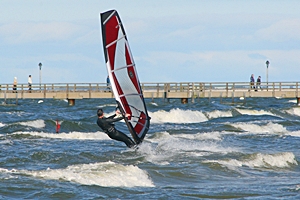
(294, 111)
(71, 135)
(177, 116)
(202, 136)
(218, 113)
(255, 128)
(159, 136)
(14, 113)
(107, 105)
(107, 174)
(190, 142)
(293, 101)
(253, 112)
(176, 144)
(154, 154)
(154, 104)
(1, 124)
(270, 128)
(259, 160)
(36, 123)
(294, 133)
(6, 141)
(164, 147)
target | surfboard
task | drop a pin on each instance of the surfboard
(123, 75)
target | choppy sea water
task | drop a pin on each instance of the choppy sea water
(203, 150)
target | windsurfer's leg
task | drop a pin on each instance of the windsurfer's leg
(119, 136)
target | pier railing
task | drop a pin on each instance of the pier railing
(154, 90)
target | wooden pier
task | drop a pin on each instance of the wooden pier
(182, 90)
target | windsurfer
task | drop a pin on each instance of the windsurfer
(106, 124)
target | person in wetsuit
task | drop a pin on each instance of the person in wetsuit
(106, 124)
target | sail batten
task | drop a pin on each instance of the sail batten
(124, 67)
(111, 14)
(112, 43)
(123, 75)
(133, 94)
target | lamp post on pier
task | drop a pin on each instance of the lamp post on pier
(40, 67)
(267, 63)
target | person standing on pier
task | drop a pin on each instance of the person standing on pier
(29, 82)
(252, 82)
(108, 83)
(15, 84)
(258, 82)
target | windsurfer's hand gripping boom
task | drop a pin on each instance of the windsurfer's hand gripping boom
(118, 112)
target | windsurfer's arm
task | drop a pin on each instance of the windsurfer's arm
(111, 117)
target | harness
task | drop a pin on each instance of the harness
(110, 130)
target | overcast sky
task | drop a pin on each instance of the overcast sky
(171, 41)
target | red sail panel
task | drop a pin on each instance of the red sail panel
(111, 36)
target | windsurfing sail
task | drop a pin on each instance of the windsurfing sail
(123, 75)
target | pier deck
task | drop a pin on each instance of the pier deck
(182, 90)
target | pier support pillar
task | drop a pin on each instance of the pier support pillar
(184, 100)
(71, 102)
(298, 101)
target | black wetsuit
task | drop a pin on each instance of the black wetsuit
(106, 124)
